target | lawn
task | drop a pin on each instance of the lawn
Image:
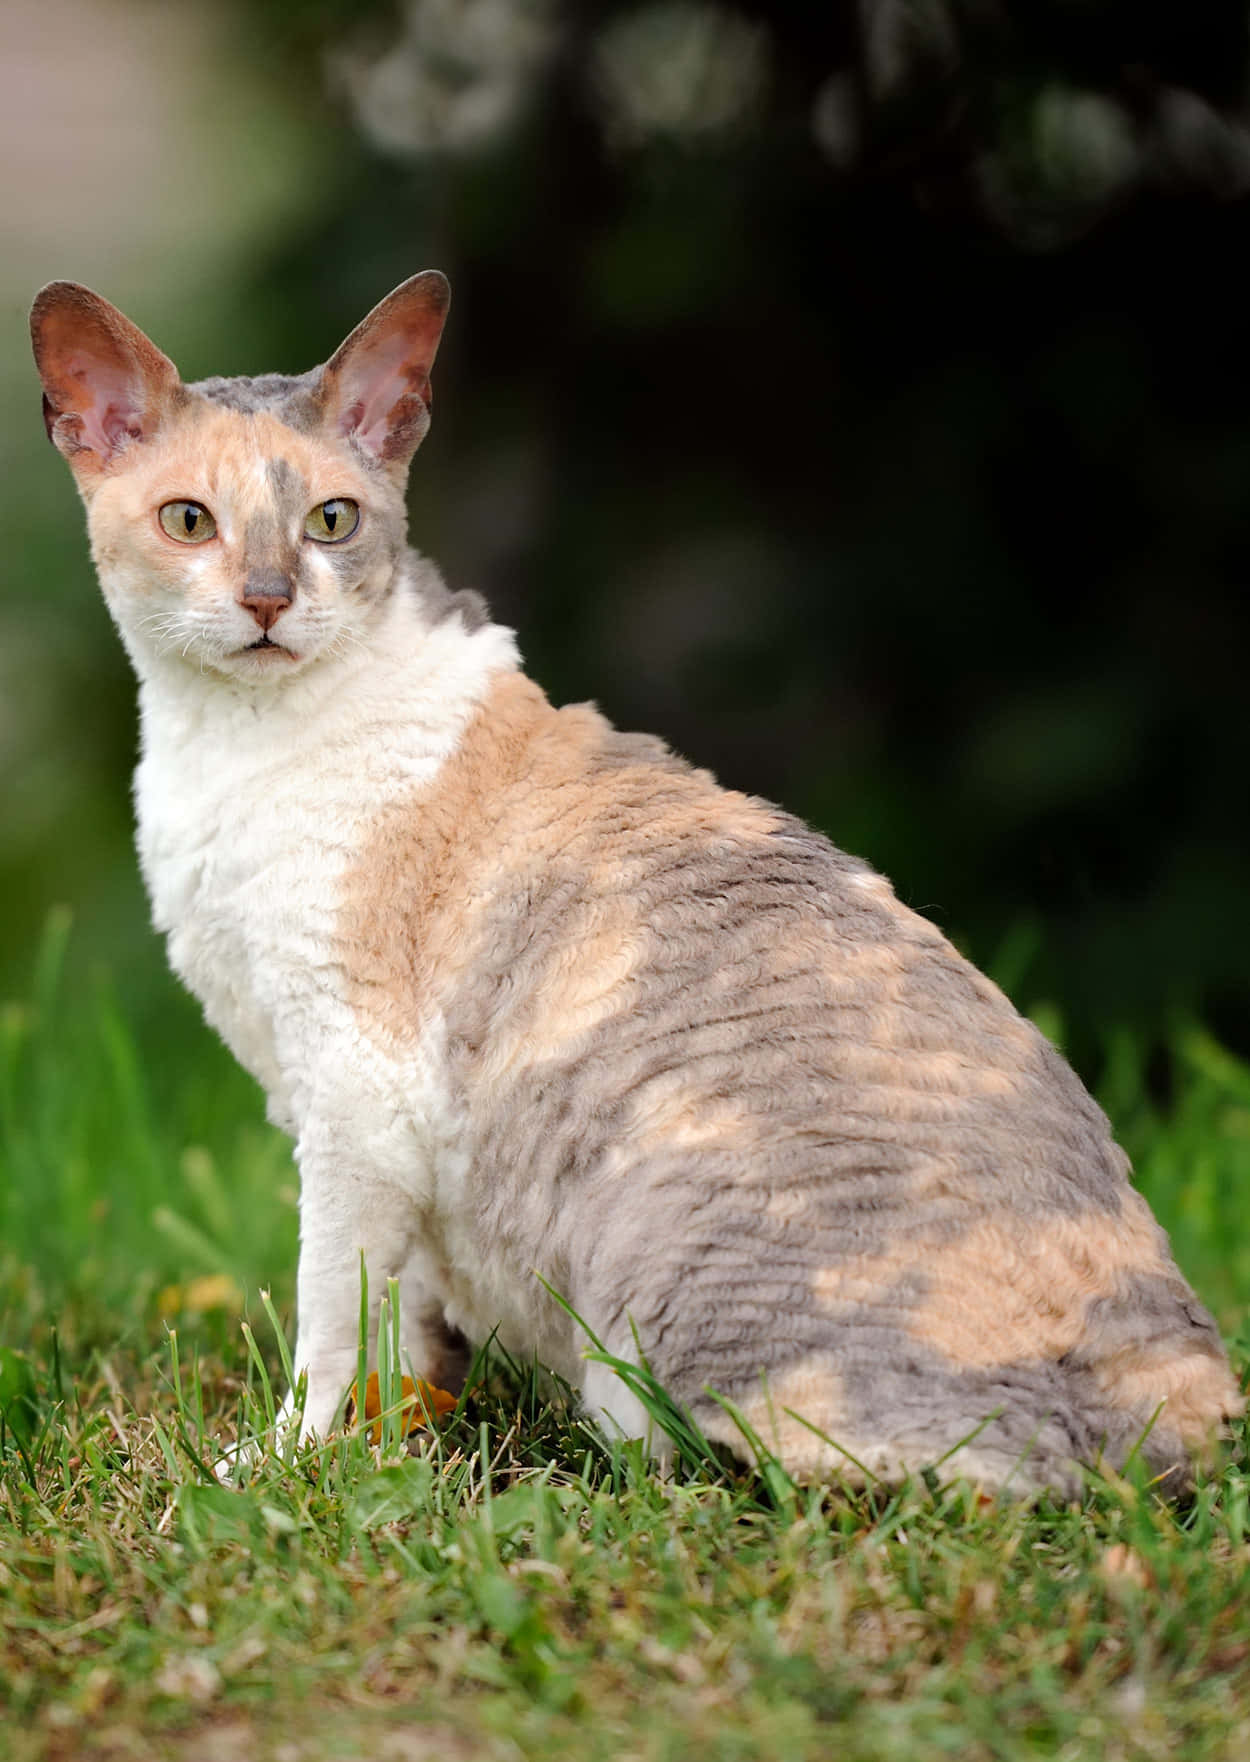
(506, 1585)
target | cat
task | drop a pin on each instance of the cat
(547, 1010)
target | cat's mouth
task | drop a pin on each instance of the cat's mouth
(267, 645)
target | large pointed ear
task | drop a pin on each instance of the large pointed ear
(376, 386)
(104, 384)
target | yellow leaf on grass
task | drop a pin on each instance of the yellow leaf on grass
(422, 1403)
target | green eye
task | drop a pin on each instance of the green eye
(333, 520)
(188, 522)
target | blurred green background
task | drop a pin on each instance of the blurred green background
(855, 395)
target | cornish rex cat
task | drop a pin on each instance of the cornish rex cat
(537, 997)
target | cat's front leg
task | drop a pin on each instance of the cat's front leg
(347, 1209)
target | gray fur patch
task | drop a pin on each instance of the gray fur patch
(438, 602)
(286, 483)
(1151, 1309)
(292, 398)
(267, 581)
(269, 551)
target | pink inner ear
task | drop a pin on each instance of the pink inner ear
(110, 402)
(390, 371)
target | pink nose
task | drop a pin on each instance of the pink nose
(266, 608)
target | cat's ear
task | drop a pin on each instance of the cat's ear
(104, 383)
(376, 386)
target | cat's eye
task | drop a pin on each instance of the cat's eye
(333, 520)
(189, 522)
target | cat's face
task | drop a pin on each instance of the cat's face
(241, 545)
(240, 527)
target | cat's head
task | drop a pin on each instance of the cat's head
(248, 527)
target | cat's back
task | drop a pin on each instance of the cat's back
(563, 895)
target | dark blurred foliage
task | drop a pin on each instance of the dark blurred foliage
(855, 395)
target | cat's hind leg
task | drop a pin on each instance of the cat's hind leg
(1009, 1351)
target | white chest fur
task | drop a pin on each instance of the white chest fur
(251, 803)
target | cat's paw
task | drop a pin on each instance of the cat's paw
(233, 1467)
(291, 1425)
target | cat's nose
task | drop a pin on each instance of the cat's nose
(266, 596)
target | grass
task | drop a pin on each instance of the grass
(509, 1585)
